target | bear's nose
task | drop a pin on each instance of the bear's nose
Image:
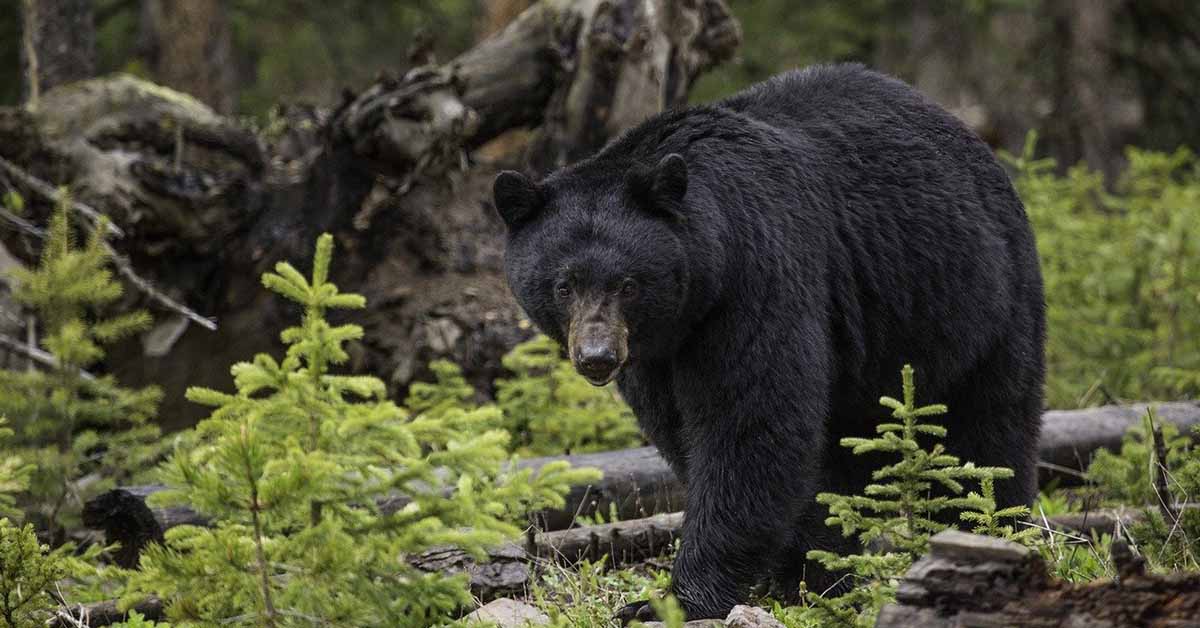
(597, 363)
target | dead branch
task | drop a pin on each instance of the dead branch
(53, 195)
(37, 355)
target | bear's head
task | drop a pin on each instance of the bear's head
(595, 258)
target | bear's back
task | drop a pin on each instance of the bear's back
(922, 221)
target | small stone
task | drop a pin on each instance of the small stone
(751, 617)
(695, 623)
(508, 613)
(962, 547)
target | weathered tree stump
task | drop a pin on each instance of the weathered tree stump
(395, 172)
(970, 580)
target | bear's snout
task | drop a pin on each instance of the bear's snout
(597, 362)
(597, 341)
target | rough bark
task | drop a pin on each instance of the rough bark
(189, 47)
(394, 172)
(638, 482)
(499, 13)
(58, 44)
(970, 580)
(1063, 58)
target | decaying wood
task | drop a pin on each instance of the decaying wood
(970, 580)
(637, 482)
(103, 613)
(511, 568)
(395, 173)
(508, 570)
(1070, 436)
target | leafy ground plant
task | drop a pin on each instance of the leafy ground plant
(32, 575)
(1157, 470)
(586, 595)
(290, 469)
(1122, 272)
(28, 572)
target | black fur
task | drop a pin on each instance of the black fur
(835, 225)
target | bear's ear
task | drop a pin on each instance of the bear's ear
(517, 198)
(661, 189)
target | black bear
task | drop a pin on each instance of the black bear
(755, 272)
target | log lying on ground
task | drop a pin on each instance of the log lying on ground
(1104, 521)
(511, 568)
(508, 570)
(103, 613)
(1070, 436)
(637, 481)
(969, 580)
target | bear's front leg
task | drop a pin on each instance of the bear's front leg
(742, 500)
(756, 433)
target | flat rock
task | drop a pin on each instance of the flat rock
(964, 547)
(508, 613)
(695, 623)
(751, 617)
(739, 617)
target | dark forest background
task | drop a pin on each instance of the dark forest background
(1094, 75)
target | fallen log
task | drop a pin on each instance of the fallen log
(1070, 436)
(103, 613)
(637, 482)
(511, 568)
(969, 580)
(508, 570)
(1103, 521)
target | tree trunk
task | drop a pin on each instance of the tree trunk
(499, 13)
(58, 45)
(189, 47)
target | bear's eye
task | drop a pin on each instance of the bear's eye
(628, 288)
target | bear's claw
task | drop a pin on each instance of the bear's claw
(640, 611)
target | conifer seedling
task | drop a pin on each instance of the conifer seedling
(292, 467)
